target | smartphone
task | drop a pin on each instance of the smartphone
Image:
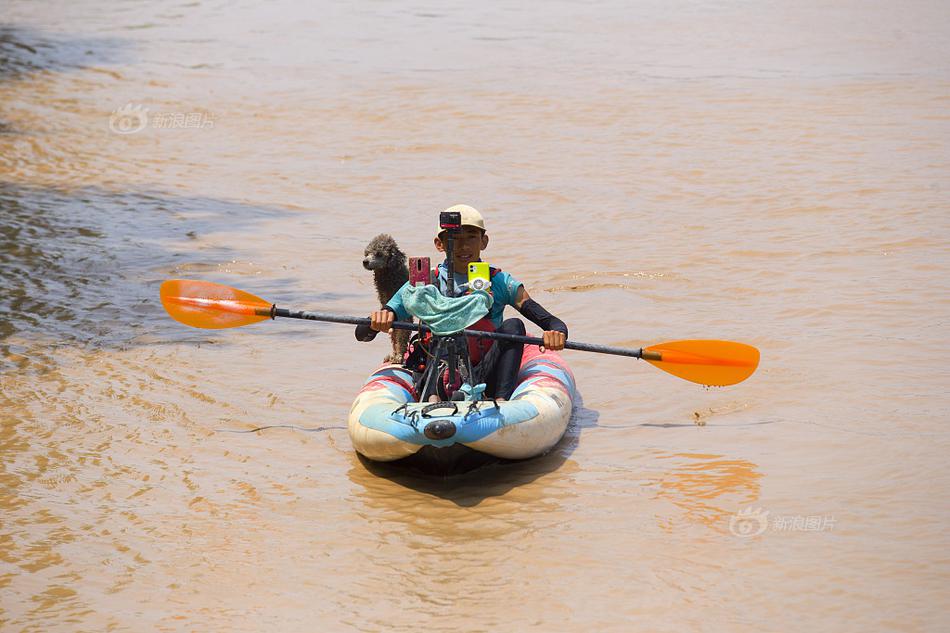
(419, 272)
(479, 276)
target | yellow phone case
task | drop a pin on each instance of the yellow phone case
(479, 277)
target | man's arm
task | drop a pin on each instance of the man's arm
(381, 320)
(555, 331)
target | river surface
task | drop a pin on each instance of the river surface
(771, 172)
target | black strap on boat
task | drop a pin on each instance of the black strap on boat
(426, 410)
(412, 417)
(476, 406)
(473, 408)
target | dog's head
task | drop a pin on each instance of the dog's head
(382, 252)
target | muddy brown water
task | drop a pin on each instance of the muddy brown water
(773, 173)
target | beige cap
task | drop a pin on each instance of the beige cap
(470, 215)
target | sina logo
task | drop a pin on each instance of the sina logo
(749, 522)
(128, 119)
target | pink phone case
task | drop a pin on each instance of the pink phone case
(419, 271)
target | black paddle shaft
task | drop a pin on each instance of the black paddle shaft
(499, 336)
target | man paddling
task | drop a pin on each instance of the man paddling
(505, 359)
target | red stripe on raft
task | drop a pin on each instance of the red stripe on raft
(376, 383)
(532, 354)
(372, 386)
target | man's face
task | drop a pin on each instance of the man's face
(467, 247)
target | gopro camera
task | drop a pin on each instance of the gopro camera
(450, 220)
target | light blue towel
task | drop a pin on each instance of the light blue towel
(445, 315)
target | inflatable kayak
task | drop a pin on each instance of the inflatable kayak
(386, 424)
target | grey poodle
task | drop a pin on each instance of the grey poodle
(390, 272)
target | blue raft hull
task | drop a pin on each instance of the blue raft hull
(386, 424)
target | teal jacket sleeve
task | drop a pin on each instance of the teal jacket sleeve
(395, 304)
(505, 288)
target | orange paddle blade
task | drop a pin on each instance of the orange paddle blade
(717, 363)
(211, 306)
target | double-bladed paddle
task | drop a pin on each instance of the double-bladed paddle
(203, 304)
